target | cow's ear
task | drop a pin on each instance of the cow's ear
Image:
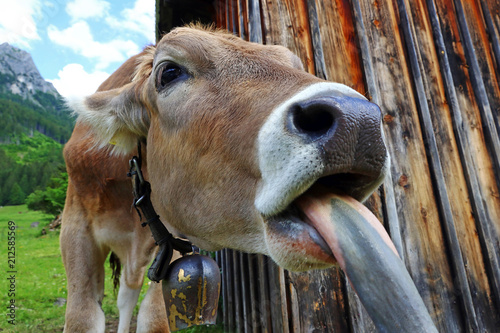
(117, 117)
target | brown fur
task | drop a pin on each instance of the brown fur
(98, 218)
(202, 161)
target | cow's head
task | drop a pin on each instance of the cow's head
(240, 142)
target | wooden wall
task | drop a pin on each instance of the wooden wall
(433, 66)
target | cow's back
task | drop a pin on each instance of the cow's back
(98, 178)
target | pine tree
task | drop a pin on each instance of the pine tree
(24, 183)
(17, 196)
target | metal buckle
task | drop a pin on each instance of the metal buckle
(135, 167)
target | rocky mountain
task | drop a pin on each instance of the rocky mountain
(28, 103)
(19, 75)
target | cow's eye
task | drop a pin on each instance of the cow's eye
(167, 74)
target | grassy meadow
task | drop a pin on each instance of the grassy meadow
(40, 280)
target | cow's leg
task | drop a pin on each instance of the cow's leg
(152, 315)
(136, 259)
(83, 260)
(127, 300)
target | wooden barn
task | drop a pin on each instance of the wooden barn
(433, 66)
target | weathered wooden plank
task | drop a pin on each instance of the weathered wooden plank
(488, 7)
(322, 304)
(243, 19)
(484, 52)
(222, 314)
(276, 302)
(237, 292)
(220, 12)
(301, 32)
(423, 91)
(245, 292)
(486, 88)
(265, 21)
(252, 301)
(294, 309)
(264, 295)
(422, 236)
(254, 21)
(467, 262)
(319, 59)
(480, 172)
(342, 59)
(234, 26)
(229, 302)
(285, 301)
(228, 15)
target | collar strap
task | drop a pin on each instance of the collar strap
(163, 238)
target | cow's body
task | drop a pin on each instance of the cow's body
(99, 218)
(240, 141)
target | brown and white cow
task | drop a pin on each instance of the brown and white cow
(244, 150)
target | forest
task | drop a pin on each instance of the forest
(51, 117)
(32, 138)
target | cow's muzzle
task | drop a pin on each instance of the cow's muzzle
(327, 132)
(346, 132)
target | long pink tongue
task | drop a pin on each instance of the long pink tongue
(366, 254)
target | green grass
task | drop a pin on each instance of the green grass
(40, 276)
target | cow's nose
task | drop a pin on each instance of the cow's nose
(320, 118)
(313, 119)
(347, 130)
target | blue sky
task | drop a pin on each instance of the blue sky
(76, 44)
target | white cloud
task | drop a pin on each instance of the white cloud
(140, 19)
(84, 9)
(79, 38)
(18, 21)
(73, 81)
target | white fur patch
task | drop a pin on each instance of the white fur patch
(126, 302)
(288, 165)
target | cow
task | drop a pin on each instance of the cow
(243, 150)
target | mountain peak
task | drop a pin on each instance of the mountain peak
(19, 74)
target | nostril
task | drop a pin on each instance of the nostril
(314, 121)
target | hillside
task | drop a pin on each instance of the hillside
(28, 165)
(28, 103)
(24, 117)
(35, 124)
